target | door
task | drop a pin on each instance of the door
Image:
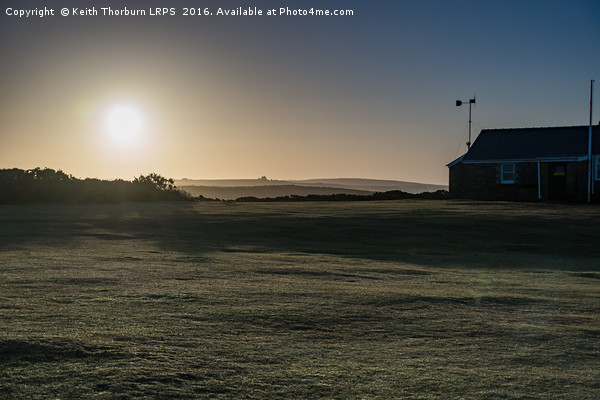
(557, 181)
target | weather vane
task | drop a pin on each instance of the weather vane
(460, 103)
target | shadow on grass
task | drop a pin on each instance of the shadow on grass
(46, 350)
(424, 234)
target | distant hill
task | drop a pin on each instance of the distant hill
(373, 185)
(229, 182)
(230, 189)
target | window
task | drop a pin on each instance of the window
(507, 173)
(559, 170)
(597, 169)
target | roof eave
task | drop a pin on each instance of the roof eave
(453, 163)
(521, 160)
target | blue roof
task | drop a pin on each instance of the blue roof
(533, 143)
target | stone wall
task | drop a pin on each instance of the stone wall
(482, 182)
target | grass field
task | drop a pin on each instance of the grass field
(398, 299)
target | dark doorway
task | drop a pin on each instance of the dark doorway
(557, 181)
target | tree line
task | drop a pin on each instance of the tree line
(378, 196)
(50, 186)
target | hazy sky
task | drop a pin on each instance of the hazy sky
(365, 96)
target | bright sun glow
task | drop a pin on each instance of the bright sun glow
(124, 124)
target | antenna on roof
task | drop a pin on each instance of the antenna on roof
(460, 103)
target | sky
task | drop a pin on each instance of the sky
(368, 95)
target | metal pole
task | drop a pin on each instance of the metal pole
(471, 101)
(589, 188)
(469, 142)
(460, 103)
(539, 181)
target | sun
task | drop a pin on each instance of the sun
(124, 124)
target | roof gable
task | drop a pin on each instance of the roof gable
(533, 143)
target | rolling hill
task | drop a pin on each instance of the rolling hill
(230, 189)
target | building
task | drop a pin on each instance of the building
(528, 164)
